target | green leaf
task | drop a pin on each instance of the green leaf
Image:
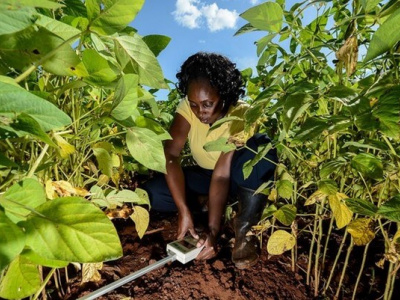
(285, 188)
(332, 166)
(138, 197)
(126, 97)
(111, 16)
(141, 218)
(266, 16)
(143, 196)
(146, 147)
(156, 43)
(248, 166)
(368, 165)
(148, 68)
(6, 162)
(26, 193)
(39, 260)
(72, 229)
(29, 125)
(286, 214)
(311, 129)
(343, 94)
(220, 144)
(30, 46)
(12, 21)
(391, 209)
(104, 160)
(50, 4)
(387, 111)
(100, 71)
(328, 187)
(12, 240)
(361, 206)
(21, 280)
(293, 107)
(279, 242)
(385, 37)
(17, 100)
(268, 211)
(58, 28)
(369, 5)
(245, 28)
(362, 231)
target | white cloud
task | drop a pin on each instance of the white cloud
(254, 2)
(191, 13)
(187, 14)
(219, 18)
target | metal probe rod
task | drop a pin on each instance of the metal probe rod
(128, 278)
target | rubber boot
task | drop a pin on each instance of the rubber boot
(246, 249)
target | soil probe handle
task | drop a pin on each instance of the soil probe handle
(128, 278)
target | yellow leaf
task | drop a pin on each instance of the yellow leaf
(81, 192)
(90, 272)
(341, 212)
(50, 190)
(116, 162)
(317, 196)
(141, 218)
(65, 148)
(396, 237)
(280, 241)
(63, 188)
(103, 179)
(273, 195)
(362, 231)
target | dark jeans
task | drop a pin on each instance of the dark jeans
(197, 179)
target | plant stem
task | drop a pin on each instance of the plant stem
(335, 262)
(314, 232)
(326, 243)
(388, 287)
(38, 161)
(361, 271)
(346, 262)
(44, 283)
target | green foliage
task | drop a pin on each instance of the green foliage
(75, 114)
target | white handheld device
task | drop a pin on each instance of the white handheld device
(185, 250)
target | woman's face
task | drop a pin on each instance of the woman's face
(204, 101)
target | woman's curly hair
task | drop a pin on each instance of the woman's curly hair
(218, 69)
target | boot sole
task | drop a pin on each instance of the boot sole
(246, 265)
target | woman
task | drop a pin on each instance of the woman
(211, 86)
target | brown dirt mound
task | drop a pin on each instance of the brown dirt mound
(270, 278)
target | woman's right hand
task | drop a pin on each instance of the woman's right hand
(185, 224)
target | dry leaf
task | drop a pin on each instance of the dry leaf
(90, 272)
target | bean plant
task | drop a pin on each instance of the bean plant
(77, 119)
(327, 93)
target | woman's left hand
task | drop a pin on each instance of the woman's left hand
(210, 246)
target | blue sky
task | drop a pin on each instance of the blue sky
(199, 25)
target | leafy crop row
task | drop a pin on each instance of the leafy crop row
(78, 119)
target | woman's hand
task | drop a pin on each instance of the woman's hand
(209, 241)
(185, 224)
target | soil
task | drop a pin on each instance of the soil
(271, 278)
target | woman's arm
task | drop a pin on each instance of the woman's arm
(218, 196)
(175, 179)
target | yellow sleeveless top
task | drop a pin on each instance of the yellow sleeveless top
(200, 133)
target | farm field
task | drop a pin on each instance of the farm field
(81, 130)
